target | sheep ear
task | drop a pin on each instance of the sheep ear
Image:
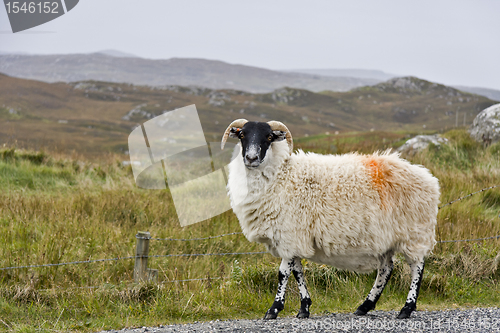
(234, 132)
(279, 135)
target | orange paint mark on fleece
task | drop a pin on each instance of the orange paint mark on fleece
(379, 177)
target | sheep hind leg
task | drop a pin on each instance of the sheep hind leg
(383, 274)
(279, 301)
(417, 272)
(305, 299)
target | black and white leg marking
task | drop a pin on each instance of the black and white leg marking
(417, 272)
(279, 301)
(383, 274)
(305, 299)
(286, 268)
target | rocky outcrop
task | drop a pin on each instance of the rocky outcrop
(486, 126)
(410, 86)
(421, 142)
(286, 95)
(218, 98)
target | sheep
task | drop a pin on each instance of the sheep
(351, 211)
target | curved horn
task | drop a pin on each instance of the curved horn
(236, 123)
(279, 126)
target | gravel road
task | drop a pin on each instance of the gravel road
(473, 320)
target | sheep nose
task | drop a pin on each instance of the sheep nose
(252, 158)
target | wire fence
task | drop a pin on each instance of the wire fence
(469, 240)
(190, 280)
(67, 263)
(468, 195)
(191, 239)
(220, 254)
(133, 257)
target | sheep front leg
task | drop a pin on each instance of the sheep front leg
(417, 272)
(305, 299)
(383, 274)
(279, 301)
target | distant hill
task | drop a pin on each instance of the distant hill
(382, 76)
(111, 66)
(490, 93)
(93, 117)
(120, 67)
(118, 54)
(355, 73)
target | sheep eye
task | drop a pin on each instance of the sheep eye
(241, 135)
(270, 137)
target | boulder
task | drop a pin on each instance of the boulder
(486, 126)
(421, 142)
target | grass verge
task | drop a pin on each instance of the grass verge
(54, 209)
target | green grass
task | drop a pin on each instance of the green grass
(55, 209)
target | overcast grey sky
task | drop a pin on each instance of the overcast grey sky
(454, 42)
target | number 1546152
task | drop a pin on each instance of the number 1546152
(46, 7)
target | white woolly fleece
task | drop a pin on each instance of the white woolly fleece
(340, 210)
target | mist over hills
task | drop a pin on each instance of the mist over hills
(93, 117)
(119, 54)
(119, 67)
(356, 73)
(486, 92)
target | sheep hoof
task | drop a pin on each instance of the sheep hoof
(364, 308)
(273, 311)
(302, 315)
(270, 315)
(359, 312)
(304, 308)
(405, 312)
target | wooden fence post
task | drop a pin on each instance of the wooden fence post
(141, 271)
(141, 260)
